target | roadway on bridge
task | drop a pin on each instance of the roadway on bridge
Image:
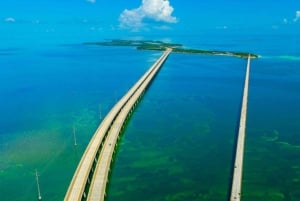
(239, 156)
(90, 178)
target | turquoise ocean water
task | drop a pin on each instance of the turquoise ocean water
(179, 143)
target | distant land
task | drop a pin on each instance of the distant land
(161, 46)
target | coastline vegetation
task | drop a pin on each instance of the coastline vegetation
(162, 46)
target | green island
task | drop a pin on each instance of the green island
(161, 46)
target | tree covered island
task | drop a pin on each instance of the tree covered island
(161, 46)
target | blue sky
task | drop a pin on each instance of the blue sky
(104, 18)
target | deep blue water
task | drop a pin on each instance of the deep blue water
(179, 143)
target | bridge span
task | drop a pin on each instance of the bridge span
(91, 175)
(239, 155)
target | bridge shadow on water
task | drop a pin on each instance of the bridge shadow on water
(118, 144)
(124, 126)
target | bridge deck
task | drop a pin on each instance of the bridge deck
(238, 164)
(108, 131)
(98, 184)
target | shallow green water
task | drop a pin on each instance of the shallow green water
(179, 142)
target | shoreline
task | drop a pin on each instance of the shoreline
(176, 48)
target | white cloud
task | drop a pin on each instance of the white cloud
(157, 10)
(297, 16)
(91, 1)
(132, 18)
(10, 19)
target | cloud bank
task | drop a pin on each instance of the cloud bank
(157, 10)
